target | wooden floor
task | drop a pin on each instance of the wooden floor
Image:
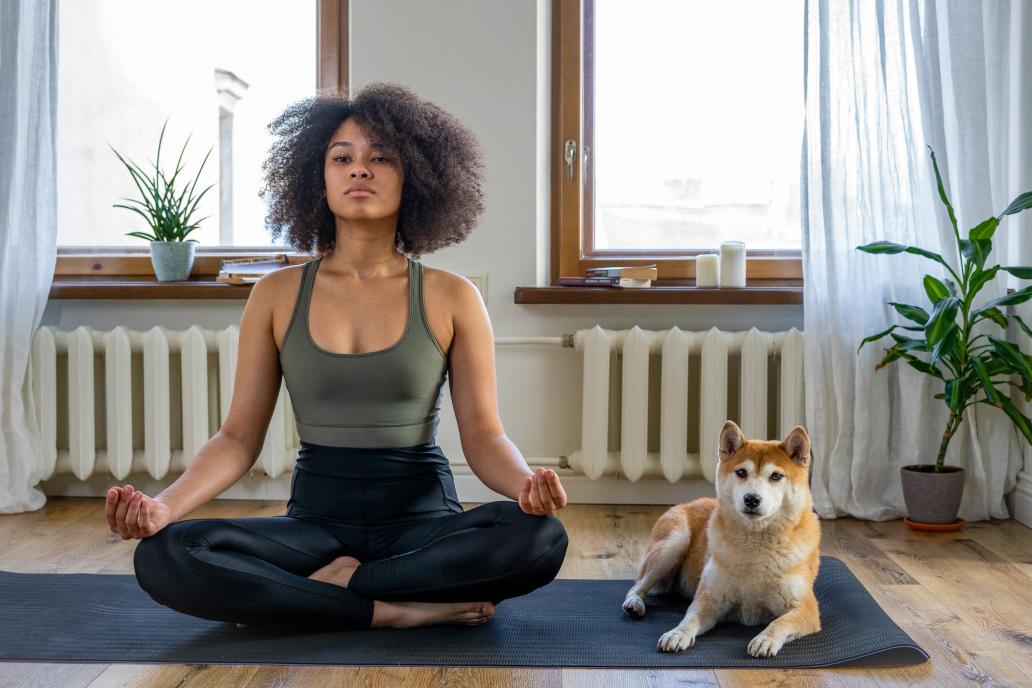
(964, 597)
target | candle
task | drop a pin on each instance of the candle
(732, 264)
(707, 270)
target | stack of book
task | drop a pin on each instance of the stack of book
(249, 270)
(628, 277)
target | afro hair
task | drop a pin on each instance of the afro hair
(441, 196)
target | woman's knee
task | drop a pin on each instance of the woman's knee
(161, 562)
(537, 540)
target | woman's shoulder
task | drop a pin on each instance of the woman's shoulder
(446, 282)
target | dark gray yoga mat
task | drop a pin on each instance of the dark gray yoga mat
(85, 617)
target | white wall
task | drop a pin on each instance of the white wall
(486, 61)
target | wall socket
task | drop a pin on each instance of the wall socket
(480, 280)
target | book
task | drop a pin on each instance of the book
(638, 272)
(249, 270)
(624, 282)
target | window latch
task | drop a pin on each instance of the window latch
(570, 157)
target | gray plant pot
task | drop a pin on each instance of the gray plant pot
(172, 260)
(932, 497)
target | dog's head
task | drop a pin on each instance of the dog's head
(763, 481)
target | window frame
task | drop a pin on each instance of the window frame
(572, 199)
(332, 70)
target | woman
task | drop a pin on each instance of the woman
(373, 534)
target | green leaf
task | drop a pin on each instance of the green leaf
(994, 314)
(915, 313)
(141, 235)
(1012, 355)
(1022, 202)
(909, 343)
(1020, 420)
(942, 193)
(882, 247)
(934, 288)
(954, 397)
(926, 368)
(1022, 324)
(976, 251)
(984, 230)
(979, 279)
(1014, 298)
(991, 392)
(943, 317)
(1019, 272)
(890, 356)
(875, 337)
(948, 344)
(951, 286)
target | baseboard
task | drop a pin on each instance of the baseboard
(579, 489)
(1019, 500)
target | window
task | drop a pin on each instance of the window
(676, 126)
(217, 72)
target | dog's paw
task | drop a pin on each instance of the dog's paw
(634, 606)
(677, 639)
(766, 644)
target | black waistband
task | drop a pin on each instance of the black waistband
(363, 463)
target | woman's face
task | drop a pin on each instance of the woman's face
(353, 163)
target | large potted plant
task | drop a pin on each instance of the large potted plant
(957, 344)
(168, 212)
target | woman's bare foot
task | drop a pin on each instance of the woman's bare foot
(410, 614)
(337, 572)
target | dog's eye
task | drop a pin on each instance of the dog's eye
(775, 476)
(740, 472)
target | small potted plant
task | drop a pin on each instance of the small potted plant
(974, 366)
(168, 211)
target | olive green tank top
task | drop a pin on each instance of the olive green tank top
(386, 398)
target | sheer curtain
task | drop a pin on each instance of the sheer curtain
(28, 231)
(884, 80)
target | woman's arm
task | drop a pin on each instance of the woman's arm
(491, 455)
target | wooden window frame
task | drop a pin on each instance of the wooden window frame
(127, 272)
(572, 251)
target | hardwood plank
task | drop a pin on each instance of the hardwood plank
(982, 590)
(962, 596)
(41, 675)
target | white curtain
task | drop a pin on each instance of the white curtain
(884, 80)
(28, 231)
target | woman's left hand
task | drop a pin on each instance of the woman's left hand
(542, 493)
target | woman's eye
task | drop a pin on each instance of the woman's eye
(740, 472)
(342, 158)
(775, 476)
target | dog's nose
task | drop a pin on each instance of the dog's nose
(752, 501)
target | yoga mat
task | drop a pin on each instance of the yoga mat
(86, 617)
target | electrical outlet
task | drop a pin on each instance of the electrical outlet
(480, 280)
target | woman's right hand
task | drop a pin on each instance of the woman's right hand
(133, 514)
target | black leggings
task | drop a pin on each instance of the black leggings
(400, 518)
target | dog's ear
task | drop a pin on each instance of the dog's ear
(797, 445)
(731, 440)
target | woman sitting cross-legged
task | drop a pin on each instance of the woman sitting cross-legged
(364, 338)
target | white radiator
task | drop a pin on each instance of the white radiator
(158, 410)
(756, 350)
(158, 396)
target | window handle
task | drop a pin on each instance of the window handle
(570, 157)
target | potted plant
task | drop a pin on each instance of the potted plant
(168, 211)
(974, 366)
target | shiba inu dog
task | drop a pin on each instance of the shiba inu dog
(750, 555)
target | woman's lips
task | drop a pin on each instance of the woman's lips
(359, 193)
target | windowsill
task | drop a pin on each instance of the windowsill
(756, 292)
(143, 287)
